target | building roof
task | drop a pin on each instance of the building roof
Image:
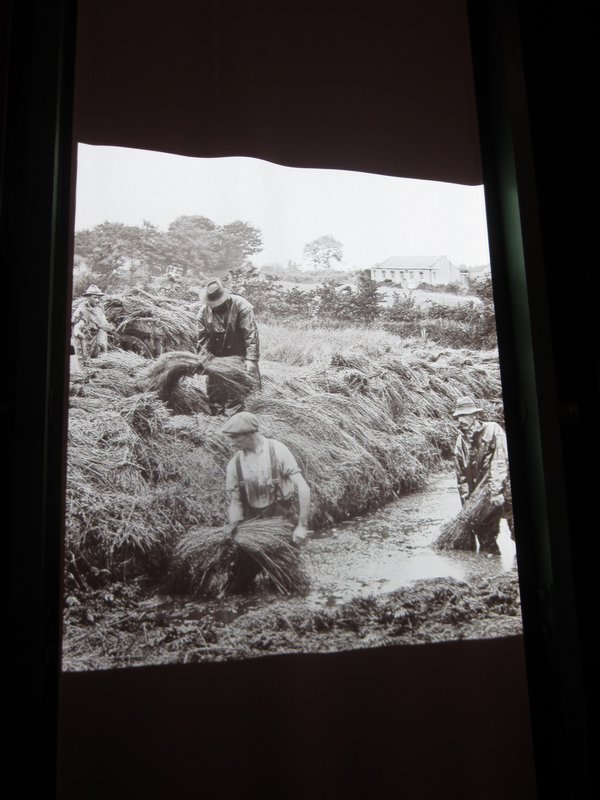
(410, 262)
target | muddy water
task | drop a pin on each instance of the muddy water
(371, 555)
(393, 548)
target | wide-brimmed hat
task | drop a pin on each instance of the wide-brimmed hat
(242, 422)
(465, 405)
(93, 290)
(215, 294)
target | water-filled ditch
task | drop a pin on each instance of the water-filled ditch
(393, 547)
(375, 580)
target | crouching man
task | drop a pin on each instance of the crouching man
(263, 477)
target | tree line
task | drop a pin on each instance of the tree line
(193, 246)
(116, 256)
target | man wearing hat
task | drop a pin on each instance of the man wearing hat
(263, 477)
(90, 326)
(481, 455)
(227, 328)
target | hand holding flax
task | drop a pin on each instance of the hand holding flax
(303, 490)
(299, 534)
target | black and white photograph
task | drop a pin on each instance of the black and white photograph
(285, 425)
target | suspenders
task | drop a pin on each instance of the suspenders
(275, 477)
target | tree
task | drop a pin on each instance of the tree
(239, 241)
(322, 251)
(367, 298)
(194, 244)
(201, 247)
(116, 256)
(108, 247)
(260, 290)
(154, 250)
(113, 253)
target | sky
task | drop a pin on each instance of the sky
(373, 216)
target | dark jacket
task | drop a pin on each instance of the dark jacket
(230, 331)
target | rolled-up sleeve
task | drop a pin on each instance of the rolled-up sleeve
(288, 465)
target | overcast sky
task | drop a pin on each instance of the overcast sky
(373, 216)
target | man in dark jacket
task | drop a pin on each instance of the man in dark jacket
(227, 328)
(481, 456)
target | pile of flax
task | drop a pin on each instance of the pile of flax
(164, 377)
(235, 559)
(458, 533)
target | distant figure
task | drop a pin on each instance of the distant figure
(90, 326)
(227, 327)
(481, 455)
(263, 476)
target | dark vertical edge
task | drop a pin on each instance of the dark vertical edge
(35, 234)
(531, 404)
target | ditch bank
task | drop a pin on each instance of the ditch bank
(375, 581)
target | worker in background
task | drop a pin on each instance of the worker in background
(90, 326)
(227, 328)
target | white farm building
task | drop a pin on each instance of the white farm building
(410, 271)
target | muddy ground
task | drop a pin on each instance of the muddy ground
(375, 581)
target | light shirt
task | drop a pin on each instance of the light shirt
(92, 317)
(256, 469)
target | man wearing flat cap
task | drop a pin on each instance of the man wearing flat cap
(90, 326)
(480, 456)
(263, 477)
(227, 328)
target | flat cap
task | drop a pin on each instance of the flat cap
(242, 422)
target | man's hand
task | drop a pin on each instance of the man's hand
(251, 368)
(497, 500)
(299, 535)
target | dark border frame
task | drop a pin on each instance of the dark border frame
(37, 99)
(535, 412)
(36, 185)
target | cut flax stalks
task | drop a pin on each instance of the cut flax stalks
(214, 563)
(175, 321)
(458, 533)
(357, 450)
(165, 375)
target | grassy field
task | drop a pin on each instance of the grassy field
(367, 415)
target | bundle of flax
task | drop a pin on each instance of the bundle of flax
(458, 534)
(229, 370)
(164, 373)
(216, 562)
(172, 319)
(164, 376)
